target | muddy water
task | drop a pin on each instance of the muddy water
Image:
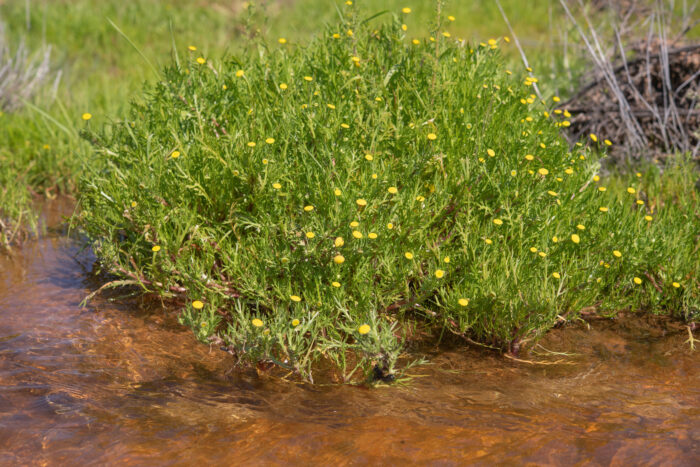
(125, 384)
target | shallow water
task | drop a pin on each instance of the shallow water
(125, 384)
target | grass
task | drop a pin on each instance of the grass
(321, 203)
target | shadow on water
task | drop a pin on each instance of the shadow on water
(123, 383)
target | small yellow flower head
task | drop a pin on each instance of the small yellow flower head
(369, 157)
(420, 199)
(201, 60)
(175, 154)
(603, 209)
(282, 40)
(631, 190)
(556, 99)
(310, 235)
(276, 186)
(575, 238)
(676, 285)
(529, 157)
(251, 144)
(308, 208)
(339, 242)
(364, 329)
(192, 48)
(404, 27)
(648, 218)
(390, 226)
(197, 305)
(533, 249)
(308, 78)
(593, 137)
(463, 302)
(240, 73)
(265, 161)
(596, 178)
(552, 193)
(608, 142)
(257, 322)
(490, 152)
(542, 254)
(446, 259)
(406, 10)
(295, 298)
(335, 284)
(393, 190)
(337, 192)
(415, 42)
(639, 175)
(295, 323)
(354, 224)
(451, 18)
(556, 275)
(330, 106)
(134, 204)
(581, 227)
(87, 116)
(372, 235)
(361, 202)
(408, 255)
(488, 241)
(155, 249)
(338, 259)
(498, 221)
(555, 239)
(637, 280)
(357, 234)
(432, 136)
(602, 188)
(439, 273)
(640, 202)
(542, 171)
(270, 140)
(344, 125)
(283, 86)
(617, 254)
(513, 173)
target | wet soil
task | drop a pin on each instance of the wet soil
(120, 382)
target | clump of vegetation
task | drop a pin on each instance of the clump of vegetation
(327, 202)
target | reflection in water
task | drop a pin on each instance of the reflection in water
(125, 384)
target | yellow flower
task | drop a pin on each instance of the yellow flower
(282, 40)
(330, 106)
(556, 275)
(408, 255)
(439, 273)
(295, 298)
(393, 190)
(446, 34)
(542, 254)
(404, 27)
(420, 199)
(463, 301)
(240, 73)
(335, 284)
(552, 193)
(608, 142)
(270, 140)
(364, 329)
(556, 99)
(357, 234)
(594, 138)
(542, 171)
(451, 18)
(265, 161)
(603, 209)
(369, 157)
(446, 259)
(197, 305)
(555, 239)
(529, 157)
(596, 178)
(602, 188)
(575, 238)
(308, 208)
(432, 136)
(155, 248)
(308, 78)
(349, 32)
(498, 221)
(339, 242)
(337, 192)
(488, 241)
(372, 235)
(257, 322)
(87, 116)
(175, 154)
(490, 152)
(134, 204)
(354, 224)
(295, 323)
(406, 10)
(201, 60)
(533, 249)
(415, 42)
(251, 144)
(637, 280)
(617, 254)
(513, 173)
(676, 284)
(283, 86)
(192, 48)
(390, 226)
(338, 259)
(631, 190)
(361, 202)
(581, 227)
(648, 218)
(276, 186)
(310, 235)
(640, 202)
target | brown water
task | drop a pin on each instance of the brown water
(125, 384)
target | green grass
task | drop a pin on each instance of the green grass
(310, 204)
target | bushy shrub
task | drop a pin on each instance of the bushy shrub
(304, 202)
